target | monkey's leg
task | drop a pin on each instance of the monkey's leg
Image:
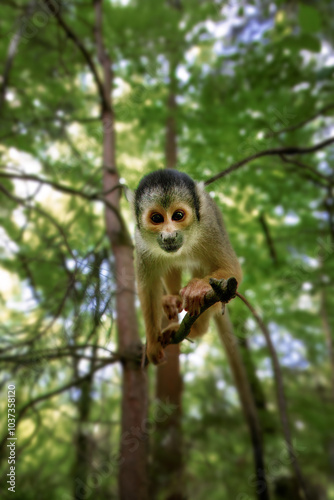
(198, 329)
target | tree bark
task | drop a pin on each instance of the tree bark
(167, 468)
(83, 442)
(168, 464)
(133, 445)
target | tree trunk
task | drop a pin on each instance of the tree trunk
(83, 442)
(167, 464)
(133, 445)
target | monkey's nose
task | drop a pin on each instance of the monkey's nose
(169, 237)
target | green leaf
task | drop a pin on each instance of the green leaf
(310, 42)
(309, 19)
(302, 42)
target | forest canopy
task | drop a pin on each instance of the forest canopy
(94, 95)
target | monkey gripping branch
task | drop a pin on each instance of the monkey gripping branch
(222, 291)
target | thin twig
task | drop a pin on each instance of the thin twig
(304, 166)
(302, 123)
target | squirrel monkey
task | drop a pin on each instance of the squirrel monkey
(179, 227)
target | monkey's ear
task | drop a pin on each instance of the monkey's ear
(129, 196)
(200, 187)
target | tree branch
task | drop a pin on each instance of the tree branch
(269, 240)
(55, 392)
(222, 291)
(12, 49)
(302, 123)
(290, 150)
(22, 201)
(89, 60)
(308, 168)
(97, 196)
(11, 53)
(55, 185)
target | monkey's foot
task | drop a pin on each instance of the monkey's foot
(193, 295)
(172, 305)
(155, 353)
(167, 333)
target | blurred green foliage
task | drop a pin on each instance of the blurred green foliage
(244, 75)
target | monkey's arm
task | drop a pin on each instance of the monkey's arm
(223, 266)
(150, 294)
(172, 303)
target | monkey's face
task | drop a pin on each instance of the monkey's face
(168, 226)
(167, 208)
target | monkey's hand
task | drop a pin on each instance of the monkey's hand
(193, 295)
(172, 304)
(155, 352)
(167, 333)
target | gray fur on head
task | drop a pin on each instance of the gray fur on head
(164, 186)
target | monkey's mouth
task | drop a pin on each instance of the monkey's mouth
(171, 248)
(170, 245)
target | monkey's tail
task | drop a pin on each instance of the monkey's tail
(230, 343)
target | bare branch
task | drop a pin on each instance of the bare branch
(290, 150)
(55, 392)
(269, 239)
(97, 196)
(55, 185)
(89, 60)
(31, 359)
(22, 201)
(322, 178)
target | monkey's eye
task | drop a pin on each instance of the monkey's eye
(178, 215)
(157, 218)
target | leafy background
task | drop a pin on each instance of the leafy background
(249, 76)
